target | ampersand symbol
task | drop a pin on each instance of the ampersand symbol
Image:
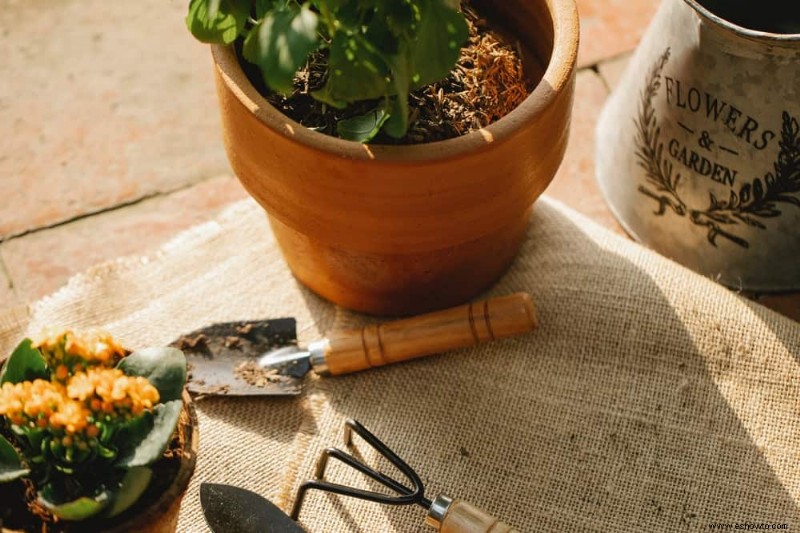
(705, 141)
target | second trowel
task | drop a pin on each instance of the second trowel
(263, 358)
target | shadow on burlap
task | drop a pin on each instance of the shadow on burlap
(650, 399)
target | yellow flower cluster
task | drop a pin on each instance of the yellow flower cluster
(109, 390)
(74, 408)
(43, 404)
(74, 350)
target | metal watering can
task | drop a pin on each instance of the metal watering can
(698, 148)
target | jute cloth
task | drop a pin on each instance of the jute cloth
(650, 399)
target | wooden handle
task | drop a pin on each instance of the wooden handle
(466, 325)
(463, 517)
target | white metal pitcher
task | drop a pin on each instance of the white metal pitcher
(698, 149)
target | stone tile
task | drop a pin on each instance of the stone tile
(101, 103)
(612, 70)
(41, 262)
(8, 297)
(575, 183)
(612, 27)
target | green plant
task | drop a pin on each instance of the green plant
(372, 49)
(85, 421)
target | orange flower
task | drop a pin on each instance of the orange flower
(78, 349)
(30, 399)
(109, 390)
(81, 386)
(72, 416)
(76, 411)
(62, 372)
(10, 402)
(51, 344)
(30, 403)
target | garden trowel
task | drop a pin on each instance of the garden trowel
(262, 357)
(229, 509)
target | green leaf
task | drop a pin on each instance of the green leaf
(362, 128)
(331, 5)
(25, 364)
(79, 509)
(441, 32)
(165, 368)
(356, 71)
(217, 21)
(147, 447)
(131, 432)
(280, 43)
(391, 25)
(34, 436)
(129, 435)
(399, 17)
(11, 466)
(131, 488)
(263, 6)
(397, 125)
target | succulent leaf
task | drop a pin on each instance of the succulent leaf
(74, 510)
(146, 443)
(132, 486)
(25, 364)
(11, 466)
(164, 368)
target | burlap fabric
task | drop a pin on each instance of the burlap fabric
(650, 399)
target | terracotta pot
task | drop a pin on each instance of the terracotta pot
(406, 229)
(161, 515)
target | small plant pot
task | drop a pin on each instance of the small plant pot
(406, 229)
(157, 510)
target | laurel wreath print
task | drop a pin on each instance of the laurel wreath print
(759, 199)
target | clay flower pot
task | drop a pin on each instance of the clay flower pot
(406, 229)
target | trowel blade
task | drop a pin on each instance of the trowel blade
(223, 358)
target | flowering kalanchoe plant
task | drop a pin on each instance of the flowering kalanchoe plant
(85, 420)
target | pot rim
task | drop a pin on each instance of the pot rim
(555, 80)
(758, 35)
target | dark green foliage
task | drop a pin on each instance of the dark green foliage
(374, 49)
(11, 466)
(25, 364)
(142, 444)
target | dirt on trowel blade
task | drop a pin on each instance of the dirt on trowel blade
(223, 358)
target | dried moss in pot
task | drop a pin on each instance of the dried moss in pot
(84, 426)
